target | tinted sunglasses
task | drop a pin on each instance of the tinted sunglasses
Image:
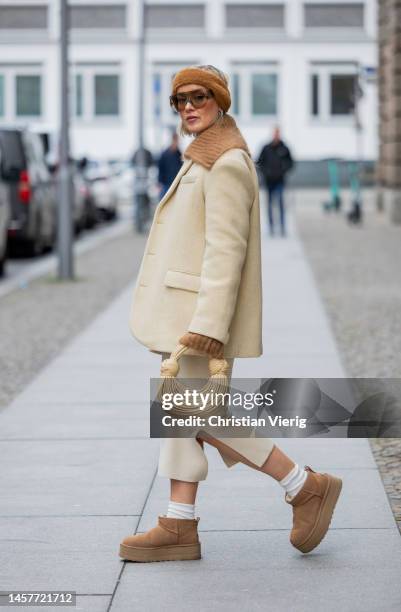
(197, 99)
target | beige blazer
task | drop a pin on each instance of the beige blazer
(201, 268)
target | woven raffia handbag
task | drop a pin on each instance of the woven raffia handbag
(217, 383)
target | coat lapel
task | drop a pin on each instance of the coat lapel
(184, 168)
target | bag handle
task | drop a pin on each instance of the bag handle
(170, 366)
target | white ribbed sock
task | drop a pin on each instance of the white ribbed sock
(294, 480)
(180, 511)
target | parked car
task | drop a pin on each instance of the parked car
(31, 188)
(4, 221)
(92, 214)
(124, 180)
(104, 188)
(50, 141)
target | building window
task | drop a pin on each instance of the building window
(235, 93)
(264, 94)
(78, 106)
(157, 103)
(332, 90)
(175, 16)
(23, 17)
(2, 111)
(315, 94)
(28, 95)
(254, 15)
(20, 92)
(334, 15)
(95, 91)
(106, 94)
(97, 16)
(254, 90)
(342, 87)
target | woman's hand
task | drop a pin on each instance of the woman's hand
(210, 346)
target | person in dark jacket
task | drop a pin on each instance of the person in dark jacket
(142, 157)
(169, 164)
(274, 162)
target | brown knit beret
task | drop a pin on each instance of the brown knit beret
(210, 80)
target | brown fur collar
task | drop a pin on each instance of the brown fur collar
(210, 144)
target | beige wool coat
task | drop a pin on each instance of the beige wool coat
(201, 268)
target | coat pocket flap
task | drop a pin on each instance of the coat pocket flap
(182, 280)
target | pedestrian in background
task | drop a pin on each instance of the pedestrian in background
(169, 164)
(274, 162)
(142, 157)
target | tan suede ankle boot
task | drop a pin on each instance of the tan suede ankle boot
(313, 508)
(171, 540)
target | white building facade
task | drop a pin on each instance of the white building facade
(292, 63)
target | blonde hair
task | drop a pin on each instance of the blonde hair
(207, 68)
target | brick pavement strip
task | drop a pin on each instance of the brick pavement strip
(37, 321)
(358, 274)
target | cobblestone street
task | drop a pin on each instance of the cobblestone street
(358, 273)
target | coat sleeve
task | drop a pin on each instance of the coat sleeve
(229, 195)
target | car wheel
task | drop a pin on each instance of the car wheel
(31, 248)
(34, 246)
(90, 222)
(2, 265)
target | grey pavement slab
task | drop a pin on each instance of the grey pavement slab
(54, 420)
(261, 571)
(114, 355)
(75, 419)
(92, 603)
(85, 603)
(59, 553)
(109, 476)
(74, 386)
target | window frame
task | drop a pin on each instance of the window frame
(152, 30)
(88, 71)
(229, 29)
(27, 116)
(330, 28)
(95, 110)
(2, 95)
(100, 30)
(325, 71)
(245, 71)
(27, 30)
(10, 72)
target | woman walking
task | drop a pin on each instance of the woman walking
(200, 285)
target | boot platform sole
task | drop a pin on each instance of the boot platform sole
(179, 552)
(325, 515)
